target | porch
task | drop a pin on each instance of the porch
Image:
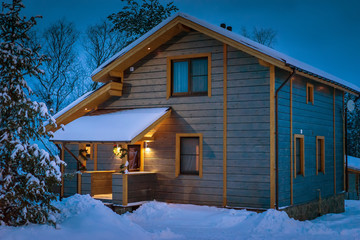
(90, 145)
(118, 188)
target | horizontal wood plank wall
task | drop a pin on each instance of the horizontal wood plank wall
(86, 183)
(225, 58)
(117, 188)
(146, 86)
(272, 137)
(248, 182)
(105, 158)
(70, 183)
(141, 187)
(313, 120)
(248, 135)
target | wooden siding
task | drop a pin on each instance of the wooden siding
(70, 180)
(146, 87)
(139, 187)
(248, 157)
(310, 120)
(106, 159)
(248, 124)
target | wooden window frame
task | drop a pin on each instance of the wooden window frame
(302, 155)
(309, 98)
(322, 139)
(177, 152)
(171, 59)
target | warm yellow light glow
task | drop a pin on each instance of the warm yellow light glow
(88, 149)
(149, 48)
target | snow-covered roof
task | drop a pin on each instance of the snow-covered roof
(72, 104)
(354, 163)
(121, 126)
(291, 62)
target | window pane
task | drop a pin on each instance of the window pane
(319, 154)
(199, 75)
(189, 155)
(298, 157)
(134, 157)
(180, 77)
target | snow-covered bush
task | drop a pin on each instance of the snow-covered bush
(27, 173)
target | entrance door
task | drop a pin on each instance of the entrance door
(134, 157)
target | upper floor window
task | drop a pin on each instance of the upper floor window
(309, 93)
(189, 75)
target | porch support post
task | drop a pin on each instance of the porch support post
(125, 190)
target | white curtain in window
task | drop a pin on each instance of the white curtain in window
(180, 77)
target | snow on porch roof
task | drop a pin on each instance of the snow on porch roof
(121, 126)
(300, 66)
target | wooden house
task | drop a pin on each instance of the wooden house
(210, 118)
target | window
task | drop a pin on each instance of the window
(309, 93)
(188, 154)
(189, 75)
(299, 152)
(320, 154)
(134, 157)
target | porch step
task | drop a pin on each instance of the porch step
(120, 209)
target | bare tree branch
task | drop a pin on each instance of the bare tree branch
(265, 36)
(100, 43)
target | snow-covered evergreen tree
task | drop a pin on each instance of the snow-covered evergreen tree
(27, 173)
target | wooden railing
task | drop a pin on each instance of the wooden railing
(133, 187)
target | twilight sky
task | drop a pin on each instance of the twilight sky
(322, 33)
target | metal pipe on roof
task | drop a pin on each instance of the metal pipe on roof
(277, 136)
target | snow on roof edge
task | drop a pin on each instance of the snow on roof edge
(73, 104)
(354, 163)
(243, 40)
(87, 128)
(133, 44)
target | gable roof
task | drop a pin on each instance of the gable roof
(87, 102)
(174, 24)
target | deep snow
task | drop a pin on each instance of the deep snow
(82, 217)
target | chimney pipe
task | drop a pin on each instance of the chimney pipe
(223, 25)
(229, 28)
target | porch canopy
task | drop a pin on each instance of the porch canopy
(120, 126)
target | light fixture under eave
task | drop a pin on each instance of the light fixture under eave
(146, 146)
(149, 48)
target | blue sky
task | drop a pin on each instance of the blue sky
(322, 33)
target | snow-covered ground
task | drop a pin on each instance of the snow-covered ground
(85, 218)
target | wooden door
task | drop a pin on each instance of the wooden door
(134, 157)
